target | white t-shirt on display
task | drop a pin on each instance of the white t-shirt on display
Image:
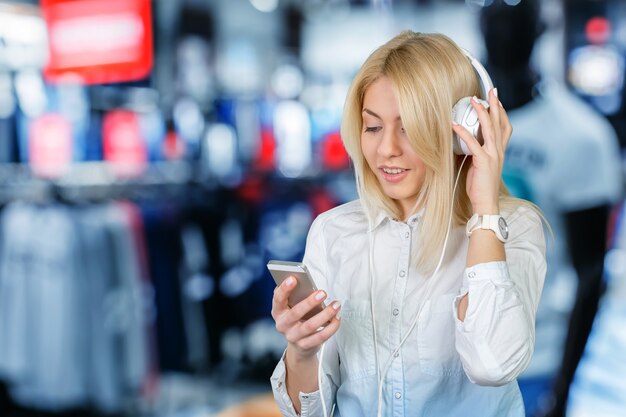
(564, 157)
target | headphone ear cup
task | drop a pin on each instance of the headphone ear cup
(464, 114)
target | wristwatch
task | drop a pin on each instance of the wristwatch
(493, 222)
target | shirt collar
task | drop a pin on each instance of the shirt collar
(382, 215)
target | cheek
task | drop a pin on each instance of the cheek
(421, 174)
(420, 165)
(414, 158)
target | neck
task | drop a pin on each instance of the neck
(407, 212)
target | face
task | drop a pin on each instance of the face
(386, 146)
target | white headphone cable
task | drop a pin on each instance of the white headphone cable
(321, 356)
(319, 380)
(429, 288)
(371, 262)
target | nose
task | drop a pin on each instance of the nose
(389, 144)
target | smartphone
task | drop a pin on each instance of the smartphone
(281, 270)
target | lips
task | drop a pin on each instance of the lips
(393, 174)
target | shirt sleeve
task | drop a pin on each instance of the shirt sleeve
(311, 402)
(497, 337)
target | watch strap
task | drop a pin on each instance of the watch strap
(487, 222)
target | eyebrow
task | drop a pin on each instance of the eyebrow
(368, 111)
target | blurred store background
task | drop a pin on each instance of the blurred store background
(154, 155)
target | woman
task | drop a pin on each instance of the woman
(429, 320)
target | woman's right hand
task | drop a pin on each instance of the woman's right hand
(304, 336)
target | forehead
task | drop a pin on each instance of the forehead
(380, 98)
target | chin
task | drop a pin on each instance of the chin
(396, 195)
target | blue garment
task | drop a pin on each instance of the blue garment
(72, 309)
(42, 307)
(599, 386)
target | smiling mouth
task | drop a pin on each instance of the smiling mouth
(393, 170)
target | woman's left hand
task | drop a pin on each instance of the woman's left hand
(485, 174)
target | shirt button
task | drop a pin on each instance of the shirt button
(395, 355)
(406, 235)
(471, 274)
(396, 311)
(398, 395)
(280, 384)
(402, 273)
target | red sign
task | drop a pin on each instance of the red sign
(265, 160)
(124, 146)
(50, 145)
(598, 30)
(99, 41)
(334, 155)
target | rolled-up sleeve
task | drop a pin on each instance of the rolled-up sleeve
(279, 389)
(496, 339)
(311, 405)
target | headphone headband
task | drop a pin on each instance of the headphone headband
(464, 114)
(485, 81)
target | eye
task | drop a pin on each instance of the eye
(372, 129)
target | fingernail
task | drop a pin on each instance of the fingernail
(455, 123)
(499, 102)
(336, 305)
(475, 99)
(495, 92)
(290, 281)
(320, 295)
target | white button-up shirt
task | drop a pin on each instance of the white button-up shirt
(446, 367)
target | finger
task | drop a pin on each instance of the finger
(280, 301)
(303, 307)
(320, 319)
(495, 109)
(313, 324)
(506, 127)
(321, 336)
(486, 126)
(468, 138)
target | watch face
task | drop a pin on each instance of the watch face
(504, 228)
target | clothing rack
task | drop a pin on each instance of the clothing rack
(95, 181)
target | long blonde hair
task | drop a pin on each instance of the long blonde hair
(430, 73)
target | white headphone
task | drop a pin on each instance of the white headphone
(464, 114)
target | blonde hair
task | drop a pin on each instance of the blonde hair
(430, 73)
